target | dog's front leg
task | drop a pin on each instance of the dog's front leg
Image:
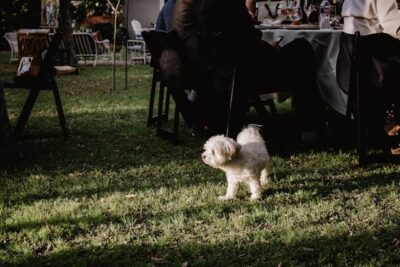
(231, 190)
(255, 188)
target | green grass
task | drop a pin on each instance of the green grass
(64, 203)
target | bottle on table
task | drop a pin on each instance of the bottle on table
(324, 16)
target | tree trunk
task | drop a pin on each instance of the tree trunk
(66, 28)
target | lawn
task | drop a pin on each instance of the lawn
(65, 203)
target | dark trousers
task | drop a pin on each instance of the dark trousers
(267, 69)
(379, 70)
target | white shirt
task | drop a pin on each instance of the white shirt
(371, 16)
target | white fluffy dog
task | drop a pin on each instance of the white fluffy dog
(245, 160)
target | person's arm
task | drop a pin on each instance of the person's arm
(160, 23)
(389, 17)
(250, 7)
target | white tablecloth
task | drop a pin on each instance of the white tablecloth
(326, 47)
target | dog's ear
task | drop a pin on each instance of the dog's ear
(232, 148)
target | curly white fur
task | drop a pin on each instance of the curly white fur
(244, 160)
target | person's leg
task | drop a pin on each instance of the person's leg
(379, 68)
(191, 111)
(384, 68)
(300, 77)
(218, 100)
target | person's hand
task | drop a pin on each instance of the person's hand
(277, 41)
(251, 14)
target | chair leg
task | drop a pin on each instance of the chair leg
(167, 101)
(60, 111)
(260, 107)
(361, 148)
(175, 130)
(162, 118)
(271, 104)
(152, 96)
(160, 105)
(26, 111)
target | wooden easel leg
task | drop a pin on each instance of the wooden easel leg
(26, 111)
(60, 111)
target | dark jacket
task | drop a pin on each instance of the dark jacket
(165, 16)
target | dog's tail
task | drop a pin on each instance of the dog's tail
(250, 133)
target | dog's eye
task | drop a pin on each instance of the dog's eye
(212, 152)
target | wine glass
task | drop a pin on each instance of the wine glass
(290, 10)
(308, 8)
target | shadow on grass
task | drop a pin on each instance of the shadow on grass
(342, 249)
(326, 187)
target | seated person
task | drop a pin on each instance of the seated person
(220, 37)
(379, 25)
(164, 18)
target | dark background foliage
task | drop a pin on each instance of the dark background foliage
(17, 14)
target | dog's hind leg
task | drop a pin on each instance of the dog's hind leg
(255, 189)
(264, 176)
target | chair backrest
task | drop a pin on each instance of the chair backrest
(168, 54)
(137, 29)
(103, 45)
(33, 43)
(11, 38)
(97, 36)
(84, 44)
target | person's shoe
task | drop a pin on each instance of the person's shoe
(395, 151)
(392, 129)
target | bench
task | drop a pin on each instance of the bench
(87, 47)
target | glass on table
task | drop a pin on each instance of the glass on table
(309, 7)
(330, 12)
(291, 11)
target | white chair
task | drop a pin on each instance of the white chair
(102, 45)
(137, 51)
(137, 29)
(137, 47)
(11, 38)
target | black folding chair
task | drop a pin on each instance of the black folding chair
(37, 46)
(157, 42)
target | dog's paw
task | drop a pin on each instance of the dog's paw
(225, 198)
(264, 182)
(255, 197)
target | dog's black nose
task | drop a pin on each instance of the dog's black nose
(203, 156)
